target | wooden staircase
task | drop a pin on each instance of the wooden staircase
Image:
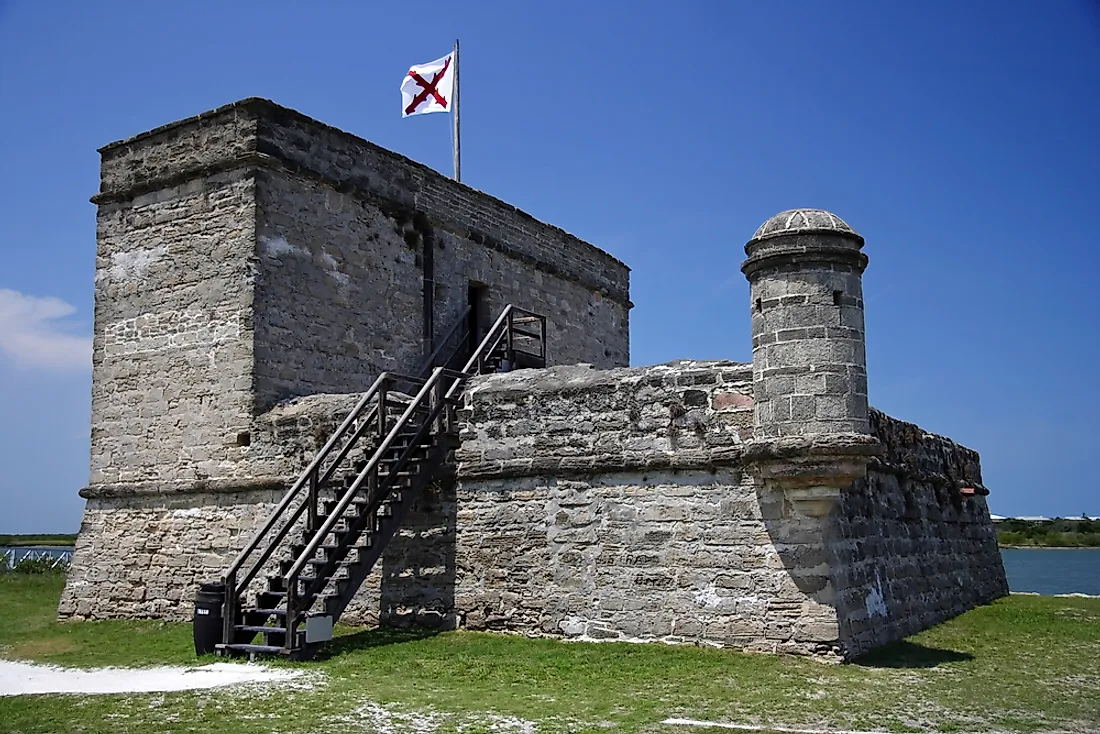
(299, 572)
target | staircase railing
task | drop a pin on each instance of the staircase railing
(438, 419)
(461, 322)
(510, 335)
(517, 337)
(311, 479)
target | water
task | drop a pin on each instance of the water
(10, 555)
(1053, 570)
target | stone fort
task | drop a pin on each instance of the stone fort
(334, 384)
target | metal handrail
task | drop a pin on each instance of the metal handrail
(379, 490)
(431, 389)
(292, 576)
(309, 478)
(480, 352)
(303, 478)
(334, 515)
(501, 330)
(314, 465)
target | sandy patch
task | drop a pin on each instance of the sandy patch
(393, 719)
(19, 679)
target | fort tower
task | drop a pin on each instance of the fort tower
(805, 269)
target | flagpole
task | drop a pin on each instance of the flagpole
(455, 96)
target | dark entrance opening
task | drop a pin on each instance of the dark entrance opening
(478, 320)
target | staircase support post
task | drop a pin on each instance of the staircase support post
(372, 488)
(291, 612)
(437, 408)
(228, 617)
(510, 351)
(382, 410)
(311, 519)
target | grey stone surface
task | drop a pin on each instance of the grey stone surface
(608, 505)
(809, 359)
(906, 548)
(251, 255)
(803, 221)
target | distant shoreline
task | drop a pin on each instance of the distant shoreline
(1051, 547)
(50, 539)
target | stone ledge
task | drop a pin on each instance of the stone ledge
(790, 449)
(812, 470)
(253, 161)
(814, 444)
(153, 487)
(241, 161)
(905, 471)
(586, 464)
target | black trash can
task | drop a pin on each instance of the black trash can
(207, 623)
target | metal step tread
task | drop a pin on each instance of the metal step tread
(330, 547)
(258, 628)
(251, 648)
(339, 564)
(319, 597)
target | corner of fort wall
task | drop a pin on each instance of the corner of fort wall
(912, 545)
(625, 502)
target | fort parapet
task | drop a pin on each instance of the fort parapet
(257, 270)
(251, 255)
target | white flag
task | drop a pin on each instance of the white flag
(428, 87)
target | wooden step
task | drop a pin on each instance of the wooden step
(320, 597)
(265, 649)
(258, 628)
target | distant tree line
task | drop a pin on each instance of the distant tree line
(1061, 533)
(47, 539)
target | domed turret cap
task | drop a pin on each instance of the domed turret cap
(803, 236)
(804, 221)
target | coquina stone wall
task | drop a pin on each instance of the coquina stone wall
(912, 544)
(627, 501)
(604, 504)
(142, 551)
(250, 256)
(172, 349)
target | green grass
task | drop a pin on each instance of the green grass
(1022, 664)
(9, 540)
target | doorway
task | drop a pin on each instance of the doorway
(478, 320)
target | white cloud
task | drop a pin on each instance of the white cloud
(33, 335)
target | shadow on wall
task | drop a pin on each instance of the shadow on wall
(418, 569)
(798, 540)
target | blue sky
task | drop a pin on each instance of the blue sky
(961, 139)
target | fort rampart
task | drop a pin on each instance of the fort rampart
(256, 270)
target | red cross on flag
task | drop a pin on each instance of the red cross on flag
(428, 87)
